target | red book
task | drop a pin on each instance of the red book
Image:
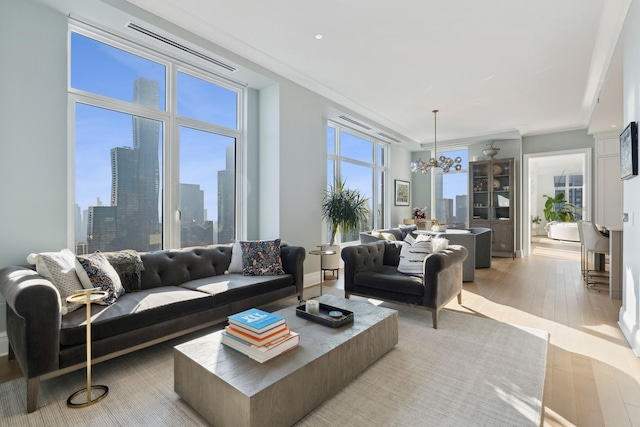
(266, 339)
(259, 336)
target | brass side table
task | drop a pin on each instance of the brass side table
(86, 297)
(321, 252)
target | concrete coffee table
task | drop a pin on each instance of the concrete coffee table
(229, 389)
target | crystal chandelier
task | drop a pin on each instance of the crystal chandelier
(442, 162)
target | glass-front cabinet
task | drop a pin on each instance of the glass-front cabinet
(491, 190)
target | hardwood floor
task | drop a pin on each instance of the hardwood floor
(593, 376)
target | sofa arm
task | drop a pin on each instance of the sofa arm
(33, 319)
(293, 263)
(443, 275)
(359, 258)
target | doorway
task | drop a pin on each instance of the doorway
(548, 173)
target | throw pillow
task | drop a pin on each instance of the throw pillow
(60, 269)
(128, 264)
(439, 244)
(95, 271)
(236, 259)
(388, 236)
(405, 230)
(413, 253)
(261, 258)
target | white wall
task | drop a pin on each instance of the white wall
(400, 161)
(630, 311)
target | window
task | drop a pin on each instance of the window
(451, 193)
(572, 187)
(360, 161)
(150, 173)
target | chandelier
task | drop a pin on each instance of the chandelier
(445, 163)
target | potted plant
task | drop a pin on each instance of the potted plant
(558, 209)
(344, 209)
(535, 221)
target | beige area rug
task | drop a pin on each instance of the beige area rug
(471, 371)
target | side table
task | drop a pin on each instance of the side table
(322, 252)
(86, 297)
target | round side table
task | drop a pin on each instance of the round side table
(86, 297)
(322, 252)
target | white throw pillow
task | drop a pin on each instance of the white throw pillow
(413, 253)
(60, 269)
(439, 244)
(236, 259)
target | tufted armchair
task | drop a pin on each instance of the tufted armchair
(371, 270)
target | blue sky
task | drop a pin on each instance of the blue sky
(111, 72)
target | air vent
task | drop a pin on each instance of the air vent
(183, 48)
(389, 137)
(347, 119)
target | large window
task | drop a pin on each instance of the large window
(451, 193)
(150, 171)
(360, 161)
(572, 187)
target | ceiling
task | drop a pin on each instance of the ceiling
(492, 67)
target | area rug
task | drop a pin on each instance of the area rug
(470, 371)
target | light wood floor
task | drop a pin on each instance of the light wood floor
(593, 376)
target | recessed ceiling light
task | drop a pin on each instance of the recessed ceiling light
(318, 36)
(614, 126)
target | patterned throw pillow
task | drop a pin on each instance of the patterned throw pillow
(261, 258)
(413, 253)
(60, 269)
(95, 271)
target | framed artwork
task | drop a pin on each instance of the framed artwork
(402, 193)
(629, 151)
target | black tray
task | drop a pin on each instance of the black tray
(323, 317)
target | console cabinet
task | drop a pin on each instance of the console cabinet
(492, 202)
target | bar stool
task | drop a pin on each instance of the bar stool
(597, 244)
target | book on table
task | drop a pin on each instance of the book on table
(258, 339)
(265, 352)
(256, 320)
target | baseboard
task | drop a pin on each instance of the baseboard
(630, 331)
(4, 344)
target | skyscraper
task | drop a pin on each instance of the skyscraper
(135, 184)
(227, 198)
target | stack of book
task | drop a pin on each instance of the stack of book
(259, 334)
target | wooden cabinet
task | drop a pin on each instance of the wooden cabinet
(492, 202)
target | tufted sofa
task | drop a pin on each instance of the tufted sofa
(180, 291)
(371, 270)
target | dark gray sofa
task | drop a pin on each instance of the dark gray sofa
(371, 270)
(181, 291)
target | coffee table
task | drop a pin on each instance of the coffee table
(229, 389)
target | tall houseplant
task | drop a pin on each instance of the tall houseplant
(344, 209)
(558, 209)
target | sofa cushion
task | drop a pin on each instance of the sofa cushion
(413, 253)
(95, 271)
(60, 269)
(261, 258)
(177, 266)
(131, 311)
(389, 279)
(230, 288)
